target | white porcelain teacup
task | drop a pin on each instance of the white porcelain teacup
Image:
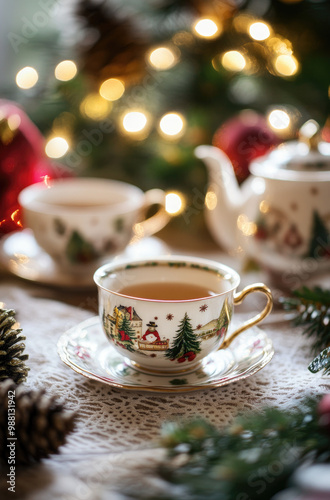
(81, 221)
(171, 334)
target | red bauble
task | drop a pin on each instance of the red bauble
(22, 162)
(243, 138)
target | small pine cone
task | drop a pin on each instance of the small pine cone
(40, 424)
(11, 349)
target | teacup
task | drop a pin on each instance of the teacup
(79, 222)
(171, 335)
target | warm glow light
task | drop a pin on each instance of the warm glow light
(95, 107)
(233, 61)
(211, 200)
(15, 219)
(264, 207)
(27, 77)
(46, 179)
(134, 121)
(162, 58)
(279, 119)
(172, 124)
(2, 221)
(247, 227)
(206, 28)
(65, 71)
(259, 31)
(286, 65)
(112, 89)
(56, 147)
(173, 203)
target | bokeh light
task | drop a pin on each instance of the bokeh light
(56, 147)
(134, 121)
(259, 31)
(233, 61)
(279, 119)
(172, 124)
(174, 203)
(27, 77)
(162, 58)
(65, 70)
(207, 28)
(112, 89)
(95, 107)
(286, 65)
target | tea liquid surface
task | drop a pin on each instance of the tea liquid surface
(167, 291)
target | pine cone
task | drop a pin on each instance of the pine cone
(39, 424)
(11, 348)
(119, 50)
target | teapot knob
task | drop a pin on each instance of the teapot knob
(310, 134)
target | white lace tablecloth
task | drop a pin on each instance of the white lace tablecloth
(113, 445)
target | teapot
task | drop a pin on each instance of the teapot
(280, 215)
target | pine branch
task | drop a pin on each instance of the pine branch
(253, 458)
(321, 362)
(313, 313)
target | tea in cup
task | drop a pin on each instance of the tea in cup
(79, 222)
(167, 314)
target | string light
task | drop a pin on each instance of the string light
(233, 61)
(15, 219)
(162, 58)
(112, 89)
(65, 70)
(174, 203)
(27, 77)
(172, 125)
(56, 147)
(286, 65)
(207, 28)
(95, 107)
(134, 122)
(279, 119)
(259, 31)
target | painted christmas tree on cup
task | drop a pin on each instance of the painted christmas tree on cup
(185, 344)
(126, 334)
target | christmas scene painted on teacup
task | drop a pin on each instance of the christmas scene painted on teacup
(127, 330)
(275, 227)
(78, 250)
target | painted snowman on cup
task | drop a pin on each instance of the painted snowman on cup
(151, 335)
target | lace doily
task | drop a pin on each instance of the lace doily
(112, 421)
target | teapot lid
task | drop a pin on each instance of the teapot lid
(295, 161)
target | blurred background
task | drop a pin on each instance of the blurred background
(127, 90)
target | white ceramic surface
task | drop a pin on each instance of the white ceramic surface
(280, 216)
(21, 255)
(85, 349)
(80, 221)
(170, 335)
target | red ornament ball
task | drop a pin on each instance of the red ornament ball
(22, 162)
(243, 138)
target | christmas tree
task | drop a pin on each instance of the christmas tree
(126, 334)
(148, 81)
(319, 246)
(185, 344)
(224, 318)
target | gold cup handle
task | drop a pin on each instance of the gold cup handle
(238, 299)
(157, 221)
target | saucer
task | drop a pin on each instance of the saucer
(86, 350)
(22, 256)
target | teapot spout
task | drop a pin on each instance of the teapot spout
(221, 173)
(225, 194)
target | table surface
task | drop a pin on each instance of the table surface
(114, 447)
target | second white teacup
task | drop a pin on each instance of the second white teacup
(80, 222)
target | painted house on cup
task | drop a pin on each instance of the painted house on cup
(111, 322)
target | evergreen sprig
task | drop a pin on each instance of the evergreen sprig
(313, 313)
(252, 458)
